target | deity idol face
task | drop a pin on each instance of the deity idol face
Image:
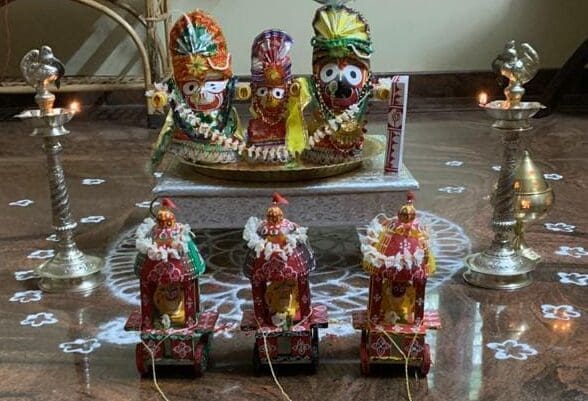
(340, 82)
(205, 96)
(270, 101)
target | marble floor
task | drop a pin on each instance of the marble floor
(531, 344)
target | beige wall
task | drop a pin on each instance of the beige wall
(416, 35)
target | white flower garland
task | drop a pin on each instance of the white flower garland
(374, 257)
(261, 245)
(258, 152)
(145, 244)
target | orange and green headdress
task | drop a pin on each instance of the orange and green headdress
(199, 49)
(340, 32)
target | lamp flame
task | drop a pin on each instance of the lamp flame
(525, 204)
(483, 98)
(75, 106)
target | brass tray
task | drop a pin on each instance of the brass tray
(297, 170)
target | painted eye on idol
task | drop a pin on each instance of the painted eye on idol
(261, 91)
(329, 72)
(278, 93)
(352, 74)
(189, 88)
(215, 86)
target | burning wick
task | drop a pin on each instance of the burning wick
(482, 98)
(75, 106)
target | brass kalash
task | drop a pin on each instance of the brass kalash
(502, 266)
(70, 269)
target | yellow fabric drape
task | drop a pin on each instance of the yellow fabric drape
(296, 130)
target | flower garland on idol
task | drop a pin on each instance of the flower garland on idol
(211, 132)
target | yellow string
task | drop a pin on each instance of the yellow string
(152, 355)
(269, 362)
(405, 356)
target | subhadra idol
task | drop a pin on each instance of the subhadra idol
(398, 258)
(276, 131)
(283, 318)
(173, 330)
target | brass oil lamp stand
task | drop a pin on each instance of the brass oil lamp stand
(501, 266)
(70, 270)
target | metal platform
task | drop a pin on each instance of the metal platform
(349, 199)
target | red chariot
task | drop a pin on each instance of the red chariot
(398, 258)
(173, 329)
(283, 318)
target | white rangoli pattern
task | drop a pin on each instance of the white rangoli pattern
(560, 312)
(39, 319)
(512, 349)
(22, 203)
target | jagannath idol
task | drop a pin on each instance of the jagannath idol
(203, 126)
(340, 83)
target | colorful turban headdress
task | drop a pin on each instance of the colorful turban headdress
(199, 49)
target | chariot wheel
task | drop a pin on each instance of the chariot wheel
(364, 355)
(426, 363)
(140, 361)
(314, 346)
(256, 360)
(201, 356)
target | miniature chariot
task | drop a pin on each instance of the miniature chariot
(173, 329)
(284, 320)
(398, 258)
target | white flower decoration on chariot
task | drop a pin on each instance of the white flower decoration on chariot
(563, 227)
(454, 163)
(80, 346)
(113, 332)
(452, 190)
(41, 254)
(553, 176)
(158, 174)
(92, 219)
(260, 245)
(575, 251)
(39, 319)
(374, 257)
(512, 349)
(145, 244)
(496, 167)
(24, 275)
(560, 312)
(580, 279)
(24, 297)
(146, 204)
(22, 203)
(52, 238)
(93, 181)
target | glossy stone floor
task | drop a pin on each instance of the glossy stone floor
(531, 344)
